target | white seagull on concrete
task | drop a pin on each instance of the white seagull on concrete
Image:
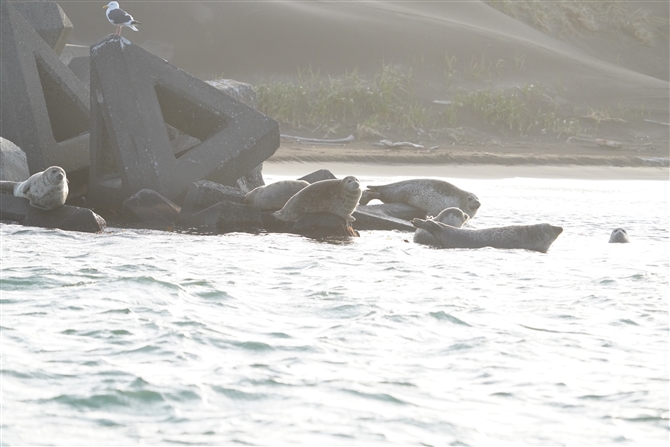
(120, 18)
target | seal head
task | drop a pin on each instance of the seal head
(453, 217)
(339, 197)
(619, 236)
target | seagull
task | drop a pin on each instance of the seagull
(119, 17)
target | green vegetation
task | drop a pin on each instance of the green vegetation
(568, 17)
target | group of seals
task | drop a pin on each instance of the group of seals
(537, 237)
(46, 190)
(429, 195)
(339, 197)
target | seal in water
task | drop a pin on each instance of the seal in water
(46, 190)
(619, 235)
(274, 196)
(430, 195)
(339, 197)
(450, 216)
(537, 237)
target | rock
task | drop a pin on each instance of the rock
(224, 217)
(203, 194)
(69, 218)
(323, 225)
(150, 208)
(13, 162)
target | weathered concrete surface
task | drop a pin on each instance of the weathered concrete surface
(45, 106)
(372, 217)
(133, 95)
(13, 162)
(71, 52)
(323, 225)
(224, 217)
(48, 20)
(151, 209)
(69, 218)
(203, 194)
(78, 59)
(316, 176)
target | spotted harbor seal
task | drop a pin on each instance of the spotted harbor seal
(619, 235)
(537, 237)
(46, 190)
(430, 195)
(339, 197)
(449, 216)
(274, 196)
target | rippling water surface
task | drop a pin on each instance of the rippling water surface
(134, 336)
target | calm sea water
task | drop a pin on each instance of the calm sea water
(144, 337)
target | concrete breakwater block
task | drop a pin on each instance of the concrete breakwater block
(151, 209)
(134, 94)
(48, 20)
(69, 218)
(45, 107)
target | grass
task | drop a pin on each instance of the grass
(570, 17)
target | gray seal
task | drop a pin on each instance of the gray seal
(620, 236)
(537, 237)
(274, 196)
(449, 216)
(45, 190)
(339, 197)
(429, 195)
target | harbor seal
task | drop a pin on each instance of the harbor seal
(45, 190)
(430, 195)
(619, 235)
(339, 197)
(449, 216)
(537, 237)
(274, 196)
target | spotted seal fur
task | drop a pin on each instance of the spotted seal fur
(46, 190)
(449, 216)
(339, 197)
(537, 237)
(429, 195)
(274, 196)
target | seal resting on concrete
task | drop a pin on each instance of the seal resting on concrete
(430, 195)
(449, 216)
(619, 235)
(274, 196)
(46, 190)
(339, 197)
(537, 237)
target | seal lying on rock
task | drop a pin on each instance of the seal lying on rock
(537, 237)
(339, 197)
(274, 196)
(46, 190)
(619, 235)
(430, 195)
(450, 216)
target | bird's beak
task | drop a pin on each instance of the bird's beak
(106, 6)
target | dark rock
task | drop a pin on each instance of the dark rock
(274, 225)
(323, 225)
(150, 208)
(45, 107)
(13, 162)
(253, 179)
(316, 176)
(134, 95)
(373, 217)
(203, 194)
(69, 218)
(224, 217)
(48, 20)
